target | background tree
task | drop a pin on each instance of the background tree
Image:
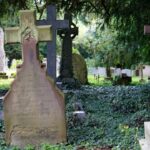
(126, 18)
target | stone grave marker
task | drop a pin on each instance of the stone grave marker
(51, 45)
(79, 68)
(141, 72)
(3, 66)
(33, 107)
(122, 76)
(67, 35)
(2, 52)
(145, 143)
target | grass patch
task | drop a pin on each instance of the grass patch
(104, 82)
(5, 83)
(99, 82)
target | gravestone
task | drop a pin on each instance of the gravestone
(141, 73)
(3, 66)
(67, 35)
(33, 107)
(2, 52)
(79, 68)
(51, 45)
(145, 143)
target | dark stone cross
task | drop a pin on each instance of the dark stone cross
(51, 45)
(67, 35)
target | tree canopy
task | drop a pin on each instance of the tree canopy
(126, 18)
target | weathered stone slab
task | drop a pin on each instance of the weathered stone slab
(2, 52)
(33, 107)
(79, 68)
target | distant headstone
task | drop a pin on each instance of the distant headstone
(67, 35)
(146, 29)
(51, 45)
(141, 67)
(3, 59)
(146, 70)
(79, 68)
(117, 72)
(126, 76)
(33, 107)
(2, 52)
(122, 76)
(101, 71)
(6, 63)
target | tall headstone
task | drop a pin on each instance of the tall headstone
(145, 143)
(51, 45)
(67, 35)
(3, 59)
(33, 107)
(2, 52)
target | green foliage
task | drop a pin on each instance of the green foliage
(56, 147)
(105, 126)
(15, 63)
(115, 117)
(98, 82)
(13, 52)
(127, 100)
(42, 50)
(5, 84)
(29, 147)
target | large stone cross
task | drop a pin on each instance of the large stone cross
(27, 29)
(33, 107)
(51, 46)
(66, 59)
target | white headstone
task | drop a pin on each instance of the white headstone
(6, 63)
(128, 72)
(117, 72)
(2, 52)
(101, 71)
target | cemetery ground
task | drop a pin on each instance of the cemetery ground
(115, 117)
